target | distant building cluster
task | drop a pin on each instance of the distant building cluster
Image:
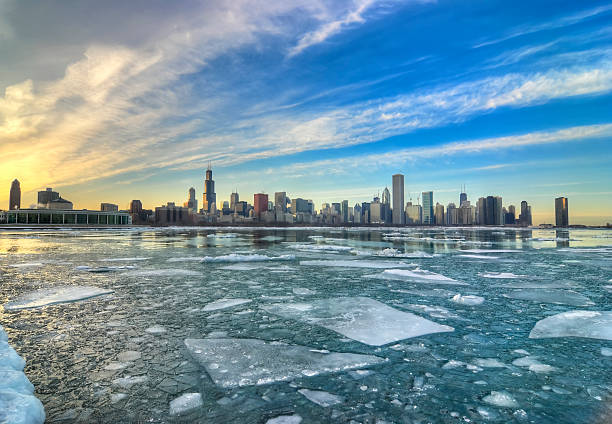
(389, 208)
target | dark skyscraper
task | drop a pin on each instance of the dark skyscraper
(15, 196)
(428, 208)
(399, 216)
(209, 196)
(561, 212)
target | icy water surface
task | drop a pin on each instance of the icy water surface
(318, 325)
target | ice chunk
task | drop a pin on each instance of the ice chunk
(606, 351)
(9, 359)
(116, 397)
(490, 251)
(222, 235)
(156, 329)
(420, 275)
(394, 253)
(128, 381)
(18, 408)
(174, 273)
(285, 419)
(532, 363)
(324, 399)
(489, 363)
(301, 291)
(15, 381)
(54, 295)
(27, 265)
(244, 362)
(114, 366)
(185, 403)
(559, 297)
(354, 263)
(468, 299)
(589, 324)
(503, 275)
(124, 259)
(359, 318)
(224, 303)
(128, 355)
(503, 399)
(479, 257)
(320, 247)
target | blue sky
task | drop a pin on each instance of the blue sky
(110, 101)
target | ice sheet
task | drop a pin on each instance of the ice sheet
(394, 253)
(233, 257)
(320, 247)
(359, 318)
(185, 403)
(15, 381)
(501, 275)
(420, 275)
(245, 362)
(502, 399)
(9, 359)
(18, 408)
(54, 295)
(224, 303)
(285, 419)
(589, 324)
(559, 297)
(168, 272)
(324, 399)
(355, 264)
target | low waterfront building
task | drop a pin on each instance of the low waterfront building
(66, 217)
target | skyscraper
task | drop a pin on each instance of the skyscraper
(260, 203)
(345, 211)
(209, 196)
(280, 201)
(462, 198)
(192, 202)
(525, 215)
(15, 196)
(234, 198)
(399, 216)
(561, 212)
(428, 208)
(439, 214)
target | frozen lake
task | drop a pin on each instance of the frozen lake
(323, 325)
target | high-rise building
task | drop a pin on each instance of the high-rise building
(280, 201)
(209, 196)
(15, 195)
(439, 214)
(50, 199)
(376, 212)
(451, 214)
(357, 214)
(234, 198)
(192, 202)
(365, 212)
(260, 203)
(344, 208)
(108, 207)
(135, 206)
(525, 215)
(561, 212)
(428, 208)
(399, 216)
(414, 213)
(462, 198)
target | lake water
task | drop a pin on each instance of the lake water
(327, 325)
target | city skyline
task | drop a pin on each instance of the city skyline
(324, 101)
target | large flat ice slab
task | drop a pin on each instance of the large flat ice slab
(224, 303)
(559, 297)
(246, 362)
(348, 263)
(420, 275)
(233, 257)
(359, 318)
(54, 295)
(589, 324)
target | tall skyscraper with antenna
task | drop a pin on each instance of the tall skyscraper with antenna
(209, 197)
(15, 196)
(462, 196)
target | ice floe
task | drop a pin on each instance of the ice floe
(359, 318)
(156, 329)
(128, 381)
(489, 363)
(606, 351)
(245, 362)
(490, 251)
(17, 401)
(302, 291)
(501, 275)
(185, 403)
(420, 275)
(467, 299)
(502, 399)
(224, 303)
(320, 247)
(479, 257)
(533, 364)
(168, 272)
(54, 295)
(322, 398)
(222, 235)
(285, 419)
(589, 324)
(354, 263)
(394, 253)
(233, 257)
(559, 297)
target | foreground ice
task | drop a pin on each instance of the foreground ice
(503, 275)
(420, 275)
(185, 403)
(468, 299)
(245, 362)
(589, 324)
(324, 399)
(285, 419)
(502, 399)
(559, 297)
(54, 295)
(17, 403)
(359, 318)
(224, 303)
(233, 257)
(355, 264)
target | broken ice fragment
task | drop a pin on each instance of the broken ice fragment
(559, 297)
(324, 399)
(244, 362)
(420, 275)
(467, 299)
(185, 403)
(589, 324)
(224, 303)
(54, 295)
(359, 318)
(503, 399)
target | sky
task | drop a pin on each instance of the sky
(113, 101)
